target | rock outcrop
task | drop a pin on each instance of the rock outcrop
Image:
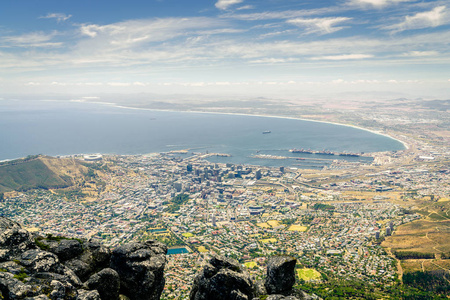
(141, 269)
(280, 274)
(60, 268)
(222, 279)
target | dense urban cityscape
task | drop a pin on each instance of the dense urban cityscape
(333, 220)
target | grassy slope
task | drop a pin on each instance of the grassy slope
(24, 175)
(431, 234)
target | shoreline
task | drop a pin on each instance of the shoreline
(405, 145)
(115, 105)
(112, 104)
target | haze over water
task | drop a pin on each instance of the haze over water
(63, 128)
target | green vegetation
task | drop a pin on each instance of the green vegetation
(413, 255)
(322, 206)
(308, 274)
(72, 194)
(22, 275)
(434, 281)
(177, 202)
(353, 289)
(41, 245)
(26, 174)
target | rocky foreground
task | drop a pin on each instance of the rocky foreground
(58, 268)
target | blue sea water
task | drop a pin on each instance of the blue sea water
(64, 127)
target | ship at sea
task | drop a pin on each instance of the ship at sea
(324, 152)
(267, 131)
(349, 154)
(300, 151)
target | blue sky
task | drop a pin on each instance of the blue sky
(277, 48)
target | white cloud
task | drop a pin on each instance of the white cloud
(34, 39)
(225, 4)
(438, 16)
(420, 53)
(120, 84)
(150, 30)
(270, 60)
(319, 25)
(376, 3)
(245, 7)
(284, 14)
(343, 57)
(60, 17)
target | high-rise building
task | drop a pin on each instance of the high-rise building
(388, 231)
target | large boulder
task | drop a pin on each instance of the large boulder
(65, 249)
(222, 279)
(94, 258)
(14, 240)
(106, 282)
(141, 269)
(280, 274)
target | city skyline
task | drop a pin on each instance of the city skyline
(363, 49)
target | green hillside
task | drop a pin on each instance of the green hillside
(29, 173)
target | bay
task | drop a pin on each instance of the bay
(71, 127)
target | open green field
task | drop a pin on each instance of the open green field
(266, 241)
(251, 264)
(308, 274)
(298, 228)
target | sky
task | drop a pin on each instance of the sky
(362, 49)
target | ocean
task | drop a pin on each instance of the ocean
(71, 127)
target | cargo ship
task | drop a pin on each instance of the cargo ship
(267, 131)
(324, 152)
(301, 151)
(349, 154)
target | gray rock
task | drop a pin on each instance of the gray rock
(46, 265)
(222, 279)
(94, 258)
(280, 274)
(88, 295)
(67, 249)
(281, 297)
(40, 297)
(11, 288)
(80, 268)
(106, 282)
(141, 269)
(41, 261)
(96, 255)
(13, 239)
(59, 290)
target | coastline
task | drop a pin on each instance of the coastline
(112, 104)
(263, 116)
